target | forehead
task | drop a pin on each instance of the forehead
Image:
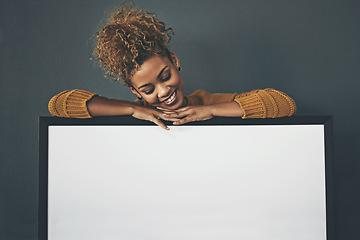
(149, 70)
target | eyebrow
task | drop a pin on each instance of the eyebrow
(158, 77)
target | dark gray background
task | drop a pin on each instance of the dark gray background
(308, 49)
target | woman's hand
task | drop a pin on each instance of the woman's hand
(203, 112)
(152, 115)
(189, 114)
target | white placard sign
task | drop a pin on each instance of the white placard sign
(231, 182)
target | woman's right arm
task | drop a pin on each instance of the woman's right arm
(83, 104)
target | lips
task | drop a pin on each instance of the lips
(171, 99)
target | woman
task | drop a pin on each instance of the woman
(133, 47)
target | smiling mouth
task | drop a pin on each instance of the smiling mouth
(171, 99)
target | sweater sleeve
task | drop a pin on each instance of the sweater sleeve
(267, 103)
(70, 104)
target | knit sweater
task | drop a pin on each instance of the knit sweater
(267, 103)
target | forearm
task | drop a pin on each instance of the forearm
(228, 109)
(102, 106)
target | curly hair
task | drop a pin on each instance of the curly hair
(128, 39)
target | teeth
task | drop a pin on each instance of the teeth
(171, 98)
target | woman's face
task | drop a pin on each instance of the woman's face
(158, 82)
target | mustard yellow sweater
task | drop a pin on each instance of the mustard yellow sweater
(267, 103)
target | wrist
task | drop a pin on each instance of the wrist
(214, 110)
(133, 109)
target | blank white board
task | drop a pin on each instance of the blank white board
(258, 182)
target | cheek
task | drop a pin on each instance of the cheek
(177, 81)
(180, 84)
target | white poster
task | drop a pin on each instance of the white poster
(251, 182)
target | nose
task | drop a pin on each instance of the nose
(163, 92)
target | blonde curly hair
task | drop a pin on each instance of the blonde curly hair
(128, 39)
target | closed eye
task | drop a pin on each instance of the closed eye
(149, 92)
(167, 77)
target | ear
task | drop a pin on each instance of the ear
(174, 60)
(134, 91)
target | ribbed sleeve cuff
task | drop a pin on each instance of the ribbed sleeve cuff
(268, 103)
(286, 105)
(252, 106)
(71, 104)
